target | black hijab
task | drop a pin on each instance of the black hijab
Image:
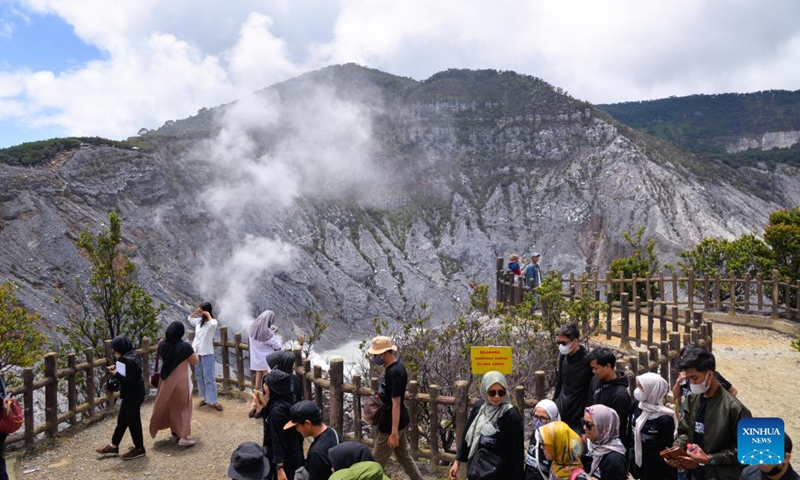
(347, 454)
(124, 347)
(283, 360)
(173, 350)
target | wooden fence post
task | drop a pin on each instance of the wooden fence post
(51, 394)
(732, 280)
(72, 388)
(710, 334)
(674, 281)
(226, 360)
(499, 280)
(519, 396)
(654, 350)
(664, 367)
(433, 413)
(661, 286)
(746, 293)
(306, 382)
(237, 339)
(706, 293)
(674, 315)
(650, 321)
(775, 286)
(797, 302)
(624, 343)
(662, 319)
(90, 393)
(760, 291)
(357, 408)
(674, 346)
(109, 361)
(632, 363)
(538, 384)
(413, 414)
(27, 400)
(609, 314)
(336, 394)
(637, 315)
(318, 388)
(690, 289)
(461, 408)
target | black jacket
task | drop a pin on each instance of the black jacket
(614, 395)
(283, 446)
(508, 443)
(572, 387)
(132, 384)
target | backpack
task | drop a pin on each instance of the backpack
(374, 409)
(10, 415)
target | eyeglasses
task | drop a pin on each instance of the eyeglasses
(587, 425)
(496, 393)
(542, 418)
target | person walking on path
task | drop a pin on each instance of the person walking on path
(392, 391)
(494, 426)
(131, 391)
(205, 326)
(263, 342)
(173, 405)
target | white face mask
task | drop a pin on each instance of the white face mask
(639, 395)
(564, 349)
(700, 388)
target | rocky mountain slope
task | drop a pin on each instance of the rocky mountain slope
(357, 194)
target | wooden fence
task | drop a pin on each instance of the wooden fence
(775, 297)
(327, 389)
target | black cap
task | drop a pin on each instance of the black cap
(249, 462)
(302, 411)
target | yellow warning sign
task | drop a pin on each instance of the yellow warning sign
(486, 359)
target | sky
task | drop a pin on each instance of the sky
(111, 67)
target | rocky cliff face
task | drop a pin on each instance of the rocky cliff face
(356, 194)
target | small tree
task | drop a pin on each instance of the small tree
(112, 302)
(719, 257)
(20, 343)
(782, 234)
(643, 262)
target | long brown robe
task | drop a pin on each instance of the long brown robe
(173, 405)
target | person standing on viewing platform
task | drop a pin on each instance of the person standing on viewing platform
(263, 342)
(284, 446)
(574, 376)
(707, 430)
(533, 274)
(513, 264)
(205, 326)
(392, 391)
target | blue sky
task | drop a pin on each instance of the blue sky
(109, 68)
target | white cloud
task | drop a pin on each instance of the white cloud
(165, 60)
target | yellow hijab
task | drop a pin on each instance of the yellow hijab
(565, 447)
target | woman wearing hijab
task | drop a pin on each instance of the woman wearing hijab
(263, 342)
(131, 392)
(562, 447)
(601, 426)
(283, 360)
(347, 454)
(537, 466)
(284, 446)
(173, 405)
(494, 425)
(654, 429)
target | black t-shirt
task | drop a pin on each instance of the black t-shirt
(318, 462)
(613, 466)
(393, 385)
(657, 434)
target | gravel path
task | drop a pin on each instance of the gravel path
(759, 363)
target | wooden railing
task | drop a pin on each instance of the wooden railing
(775, 297)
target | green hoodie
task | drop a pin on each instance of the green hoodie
(361, 471)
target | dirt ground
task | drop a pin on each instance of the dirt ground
(760, 363)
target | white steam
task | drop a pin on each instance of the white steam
(267, 155)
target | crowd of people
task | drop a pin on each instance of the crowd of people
(591, 428)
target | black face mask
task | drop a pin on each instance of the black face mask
(775, 470)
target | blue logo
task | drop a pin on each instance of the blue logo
(761, 441)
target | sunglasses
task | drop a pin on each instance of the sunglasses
(587, 425)
(564, 343)
(496, 393)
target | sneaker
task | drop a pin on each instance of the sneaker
(186, 442)
(134, 452)
(107, 450)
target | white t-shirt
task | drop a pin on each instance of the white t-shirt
(203, 343)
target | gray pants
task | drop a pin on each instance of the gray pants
(382, 451)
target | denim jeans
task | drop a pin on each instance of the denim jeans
(206, 383)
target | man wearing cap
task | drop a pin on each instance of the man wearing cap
(307, 420)
(782, 471)
(533, 276)
(392, 391)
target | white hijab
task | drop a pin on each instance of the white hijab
(654, 388)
